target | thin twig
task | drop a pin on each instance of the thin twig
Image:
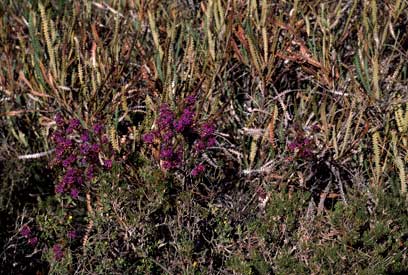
(338, 178)
(36, 155)
(323, 197)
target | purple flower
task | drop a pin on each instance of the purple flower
(33, 241)
(59, 151)
(95, 148)
(25, 231)
(90, 172)
(68, 179)
(78, 158)
(292, 146)
(166, 152)
(175, 159)
(148, 138)
(57, 137)
(59, 120)
(190, 100)
(74, 123)
(207, 130)
(166, 117)
(211, 142)
(71, 172)
(198, 170)
(185, 120)
(59, 188)
(72, 234)
(67, 143)
(104, 139)
(307, 141)
(172, 157)
(306, 153)
(97, 128)
(83, 161)
(167, 164)
(107, 163)
(302, 146)
(84, 148)
(70, 175)
(57, 250)
(68, 161)
(167, 135)
(85, 137)
(199, 146)
(74, 193)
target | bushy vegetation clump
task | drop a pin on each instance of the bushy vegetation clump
(203, 137)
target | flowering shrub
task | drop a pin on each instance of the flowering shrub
(303, 147)
(81, 155)
(77, 153)
(26, 233)
(175, 134)
(58, 253)
(283, 201)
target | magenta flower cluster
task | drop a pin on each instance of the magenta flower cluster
(57, 251)
(302, 147)
(26, 233)
(72, 234)
(206, 139)
(77, 153)
(174, 133)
